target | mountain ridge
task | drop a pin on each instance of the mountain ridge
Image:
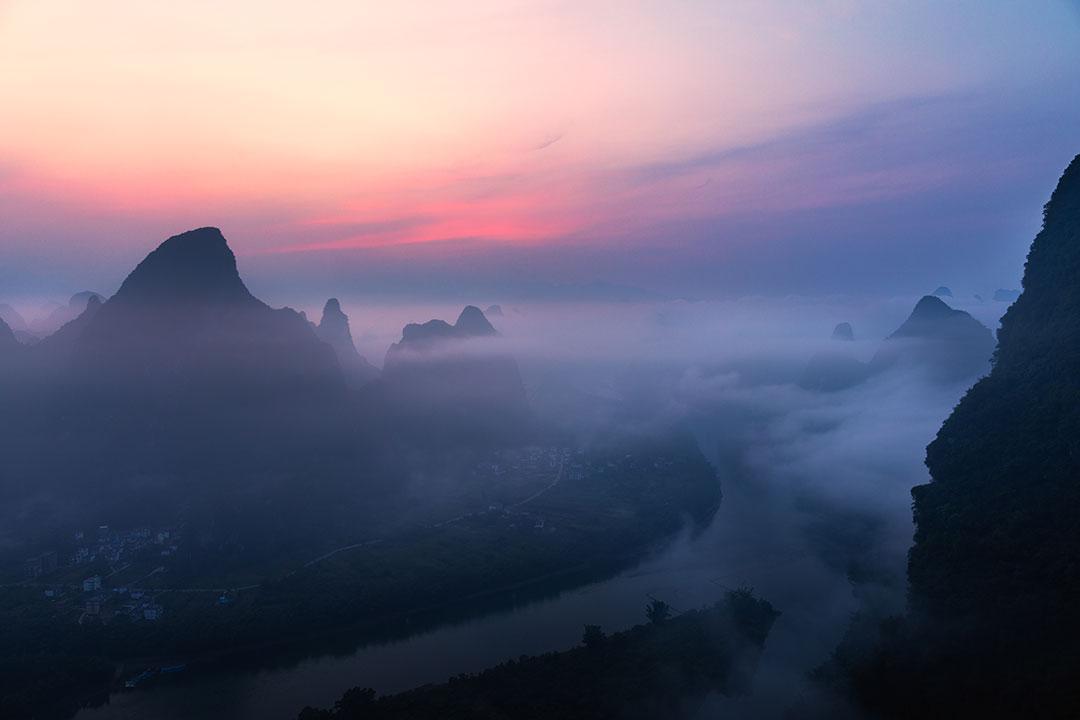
(991, 628)
(334, 330)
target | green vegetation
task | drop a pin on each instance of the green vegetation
(650, 671)
(992, 629)
(49, 686)
(607, 507)
(658, 611)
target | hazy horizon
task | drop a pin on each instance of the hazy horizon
(535, 150)
(693, 359)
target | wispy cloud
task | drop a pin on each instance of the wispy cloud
(548, 141)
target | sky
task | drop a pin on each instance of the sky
(505, 149)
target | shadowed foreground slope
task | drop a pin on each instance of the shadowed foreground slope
(660, 670)
(992, 629)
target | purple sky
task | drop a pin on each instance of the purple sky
(537, 149)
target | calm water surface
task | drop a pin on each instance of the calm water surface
(738, 549)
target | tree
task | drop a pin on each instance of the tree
(593, 637)
(657, 611)
(355, 701)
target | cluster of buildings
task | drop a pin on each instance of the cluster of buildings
(115, 547)
(42, 564)
(135, 604)
(541, 468)
(95, 551)
(530, 460)
(108, 546)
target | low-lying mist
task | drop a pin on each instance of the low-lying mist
(817, 509)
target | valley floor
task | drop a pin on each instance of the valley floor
(589, 514)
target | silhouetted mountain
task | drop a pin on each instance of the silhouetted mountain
(843, 331)
(943, 291)
(64, 314)
(473, 323)
(455, 381)
(834, 369)
(57, 348)
(184, 318)
(1002, 295)
(193, 268)
(183, 370)
(944, 344)
(11, 317)
(494, 311)
(420, 337)
(997, 538)
(992, 629)
(8, 343)
(334, 330)
(949, 345)
(81, 299)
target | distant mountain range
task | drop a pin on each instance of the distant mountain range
(992, 629)
(184, 373)
(455, 381)
(994, 566)
(11, 318)
(948, 344)
(184, 328)
(8, 343)
(943, 344)
(333, 329)
(843, 331)
(64, 314)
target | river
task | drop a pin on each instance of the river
(815, 600)
(816, 518)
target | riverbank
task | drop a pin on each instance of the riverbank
(576, 531)
(657, 670)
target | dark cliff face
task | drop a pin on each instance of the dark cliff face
(1000, 512)
(997, 539)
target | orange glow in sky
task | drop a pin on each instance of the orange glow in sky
(356, 124)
